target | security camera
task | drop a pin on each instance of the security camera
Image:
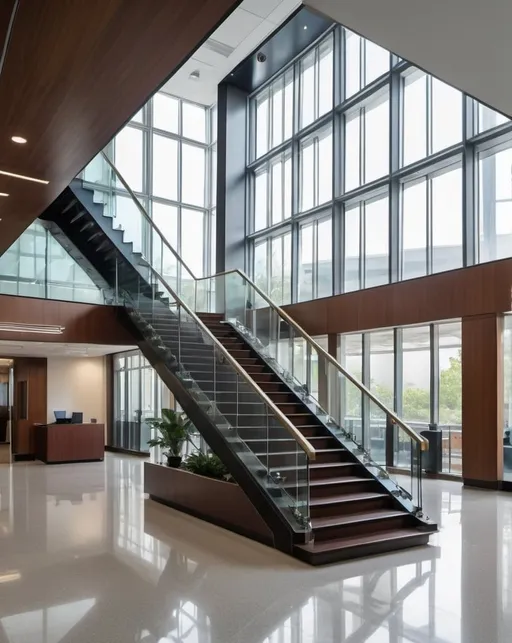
(261, 57)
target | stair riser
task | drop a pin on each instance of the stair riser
(260, 435)
(278, 459)
(346, 487)
(284, 445)
(342, 508)
(299, 420)
(334, 472)
(366, 550)
(312, 431)
(360, 528)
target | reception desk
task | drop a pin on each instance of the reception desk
(59, 443)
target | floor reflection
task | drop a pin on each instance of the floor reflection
(84, 558)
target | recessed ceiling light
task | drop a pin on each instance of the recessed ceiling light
(18, 139)
(195, 75)
(25, 178)
(305, 27)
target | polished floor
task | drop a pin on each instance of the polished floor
(85, 559)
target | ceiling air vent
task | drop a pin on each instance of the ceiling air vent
(218, 47)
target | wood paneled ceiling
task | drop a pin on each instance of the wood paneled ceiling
(73, 73)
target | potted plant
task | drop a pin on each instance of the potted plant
(208, 465)
(174, 429)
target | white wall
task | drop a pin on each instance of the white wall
(78, 384)
(466, 43)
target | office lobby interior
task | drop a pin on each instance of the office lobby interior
(255, 322)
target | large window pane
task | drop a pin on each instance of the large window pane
(193, 174)
(377, 139)
(446, 115)
(261, 265)
(166, 219)
(416, 376)
(194, 121)
(165, 167)
(350, 356)
(262, 125)
(324, 258)
(307, 90)
(352, 249)
(376, 61)
(192, 240)
(129, 157)
(376, 243)
(306, 263)
(166, 113)
(352, 151)
(280, 275)
(352, 63)
(281, 194)
(382, 368)
(324, 167)
(307, 176)
(414, 229)
(414, 139)
(260, 199)
(325, 76)
(495, 205)
(450, 395)
(282, 109)
(447, 221)
(487, 118)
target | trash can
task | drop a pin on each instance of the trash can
(433, 458)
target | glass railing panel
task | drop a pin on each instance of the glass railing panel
(247, 423)
(130, 214)
(338, 401)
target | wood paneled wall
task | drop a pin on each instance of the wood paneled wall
(33, 372)
(482, 399)
(84, 323)
(478, 290)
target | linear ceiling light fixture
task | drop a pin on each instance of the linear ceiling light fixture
(25, 178)
(12, 327)
(3, 194)
(18, 139)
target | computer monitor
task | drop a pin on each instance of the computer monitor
(60, 415)
(77, 418)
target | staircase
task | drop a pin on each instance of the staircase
(351, 514)
(315, 485)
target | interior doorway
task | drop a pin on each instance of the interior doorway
(6, 405)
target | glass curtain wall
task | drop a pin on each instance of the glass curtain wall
(36, 265)
(139, 394)
(167, 155)
(373, 172)
(414, 370)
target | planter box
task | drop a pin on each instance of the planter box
(221, 503)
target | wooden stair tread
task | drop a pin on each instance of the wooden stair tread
(341, 480)
(347, 497)
(358, 541)
(327, 465)
(299, 449)
(360, 517)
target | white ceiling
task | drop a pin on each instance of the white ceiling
(247, 27)
(54, 349)
(466, 43)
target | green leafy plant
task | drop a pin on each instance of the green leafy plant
(208, 465)
(174, 430)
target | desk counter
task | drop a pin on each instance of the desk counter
(59, 443)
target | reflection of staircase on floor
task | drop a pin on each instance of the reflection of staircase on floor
(5, 453)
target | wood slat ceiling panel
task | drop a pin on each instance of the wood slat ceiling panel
(74, 73)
